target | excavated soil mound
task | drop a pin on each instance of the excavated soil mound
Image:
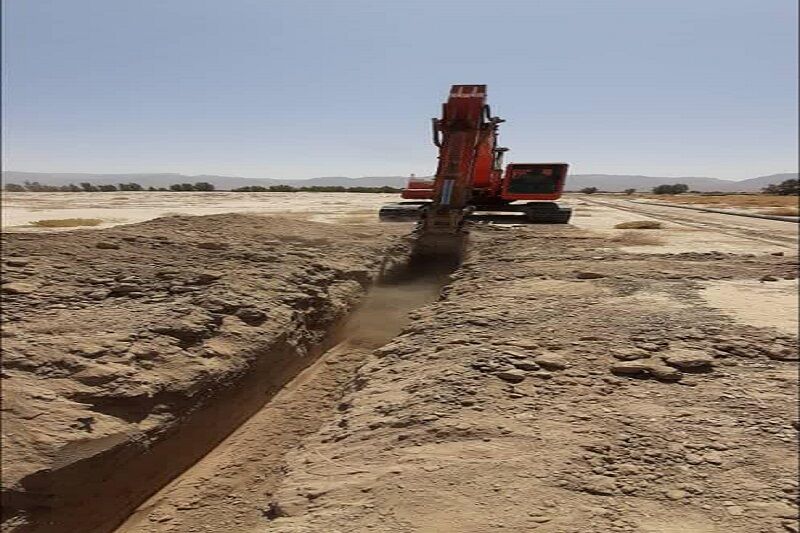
(129, 352)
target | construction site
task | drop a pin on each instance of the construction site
(470, 357)
(429, 266)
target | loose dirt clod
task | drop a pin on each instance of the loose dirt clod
(639, 224)
(635, 238)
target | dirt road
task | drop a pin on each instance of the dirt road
(563, 379)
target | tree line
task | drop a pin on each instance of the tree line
(35, 186)
(678, 188)
(315, 188)
(785, 188)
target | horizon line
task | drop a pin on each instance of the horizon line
(363, 177)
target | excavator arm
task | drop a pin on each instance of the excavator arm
(466, 137)
(470, 179)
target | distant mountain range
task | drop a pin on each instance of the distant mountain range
(604, 182)
(220, 182)
(617, 183)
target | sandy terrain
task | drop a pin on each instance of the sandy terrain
(20, 209)
(754, 203)
(563, 379)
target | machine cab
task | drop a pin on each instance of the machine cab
(534, 181)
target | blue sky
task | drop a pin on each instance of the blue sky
(305, 88)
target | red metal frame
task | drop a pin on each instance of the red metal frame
(469, 170)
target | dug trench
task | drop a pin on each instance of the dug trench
(306, 402)
(130, 353)
(561, 383)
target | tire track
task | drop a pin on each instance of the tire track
(733, 230)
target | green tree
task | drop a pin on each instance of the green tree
(88, 187)
(282, 188)
(677, 188)
(589, 190)
(324, 188)
(181, 187)
(784, 188)
(203, 186)
(630, 191)
(35, 186)
(251, 188)
(108, 188)
(14, 187)
(130, 187)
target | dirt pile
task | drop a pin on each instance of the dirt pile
(129, 352)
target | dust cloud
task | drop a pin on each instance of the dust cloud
(384, 312)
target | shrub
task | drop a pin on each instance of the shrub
(251, 188)
(35, 186)
(784, 188)
(130, 187)
(677, 188)
(181, 187)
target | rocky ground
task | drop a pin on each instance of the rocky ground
(128, 352)
(560, 384)
(559, 381)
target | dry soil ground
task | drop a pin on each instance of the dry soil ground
(564, 379)
(758, 203)
(21, 209)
